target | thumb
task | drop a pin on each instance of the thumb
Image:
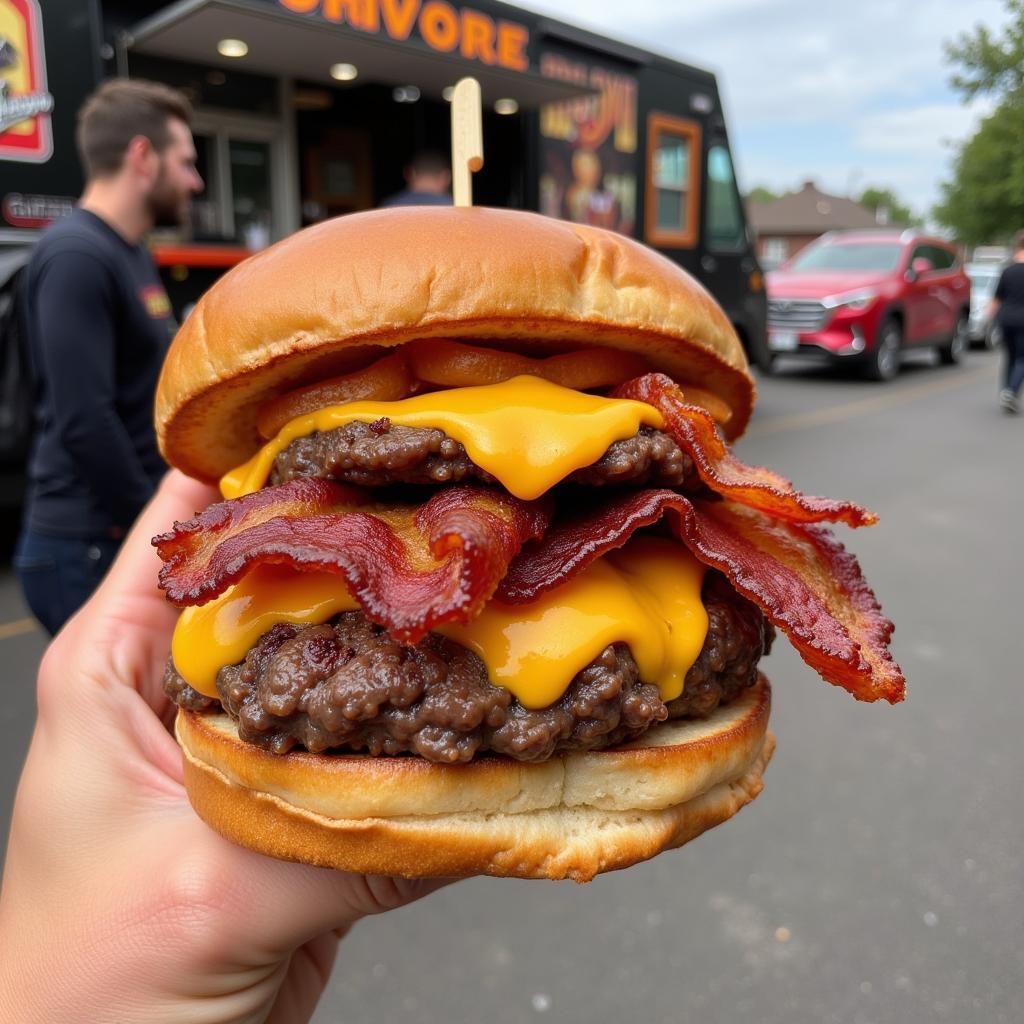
(123, 632)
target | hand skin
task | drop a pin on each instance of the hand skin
(118, 903)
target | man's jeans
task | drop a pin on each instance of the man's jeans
(58, 574)
(1013, 375)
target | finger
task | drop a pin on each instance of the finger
(312, 901)
(123, 632)
(309, 970)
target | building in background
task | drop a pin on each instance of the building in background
(785, 225)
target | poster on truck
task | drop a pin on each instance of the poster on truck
(588, 147)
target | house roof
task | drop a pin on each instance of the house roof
(808, 212)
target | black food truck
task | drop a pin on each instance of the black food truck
(307, 109)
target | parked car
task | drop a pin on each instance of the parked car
(984, 277)
(862, 297)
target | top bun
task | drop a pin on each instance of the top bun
(334, 297)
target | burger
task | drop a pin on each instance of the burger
(487, 591)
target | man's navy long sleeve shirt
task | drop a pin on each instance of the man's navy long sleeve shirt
(98, 323)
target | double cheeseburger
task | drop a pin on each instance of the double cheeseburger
(487, 591)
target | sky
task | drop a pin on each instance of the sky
(845, 94)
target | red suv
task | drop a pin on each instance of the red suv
(864, 296)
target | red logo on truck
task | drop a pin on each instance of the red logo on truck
(25, 104)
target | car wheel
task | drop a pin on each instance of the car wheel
(883, 361)
(954, 349)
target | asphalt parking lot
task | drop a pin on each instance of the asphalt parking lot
(878, 878)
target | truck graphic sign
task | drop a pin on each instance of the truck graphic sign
(25, 104)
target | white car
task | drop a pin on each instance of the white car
(984, 278)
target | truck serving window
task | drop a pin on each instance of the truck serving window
(724, 218)
(672, 196)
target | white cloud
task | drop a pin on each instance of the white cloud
(926, 132)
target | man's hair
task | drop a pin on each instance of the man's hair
(1018, 241)
(118, 111)
(428, 161)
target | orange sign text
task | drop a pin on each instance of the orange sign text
(442, 26)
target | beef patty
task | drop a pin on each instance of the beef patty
(346, 685)
(377, 454)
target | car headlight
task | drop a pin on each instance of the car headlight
(854, 301)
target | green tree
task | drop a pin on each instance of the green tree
(987, 64)
(873, 198)
(985, 200)
(760, 194)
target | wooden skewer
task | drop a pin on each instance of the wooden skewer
(467, 139)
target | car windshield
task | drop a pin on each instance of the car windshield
(849, 256)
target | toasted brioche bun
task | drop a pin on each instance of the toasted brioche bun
(334, 297)
(573, 816)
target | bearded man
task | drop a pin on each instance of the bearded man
(98, 323)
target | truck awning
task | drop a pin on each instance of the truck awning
(283, 43)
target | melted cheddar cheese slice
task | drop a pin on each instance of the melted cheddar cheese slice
(646, 595)
(526, 432)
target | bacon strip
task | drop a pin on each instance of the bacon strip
(799, 575)
(410, 567)
(810, 586)
(754, 486)
(573, 543)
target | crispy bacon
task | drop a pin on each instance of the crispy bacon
(799, 575)
(410, 567)
(754, 486)
(574, 542)
(809, 585)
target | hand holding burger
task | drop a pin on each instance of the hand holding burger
(118, 903)
(487, 592)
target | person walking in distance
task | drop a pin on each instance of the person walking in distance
(1008, 308)
(98, 323)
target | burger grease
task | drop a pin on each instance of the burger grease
(487, 591)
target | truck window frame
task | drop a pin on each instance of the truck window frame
(658, 125)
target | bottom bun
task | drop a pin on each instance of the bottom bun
(573, 816)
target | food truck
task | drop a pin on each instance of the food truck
(307, 109)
